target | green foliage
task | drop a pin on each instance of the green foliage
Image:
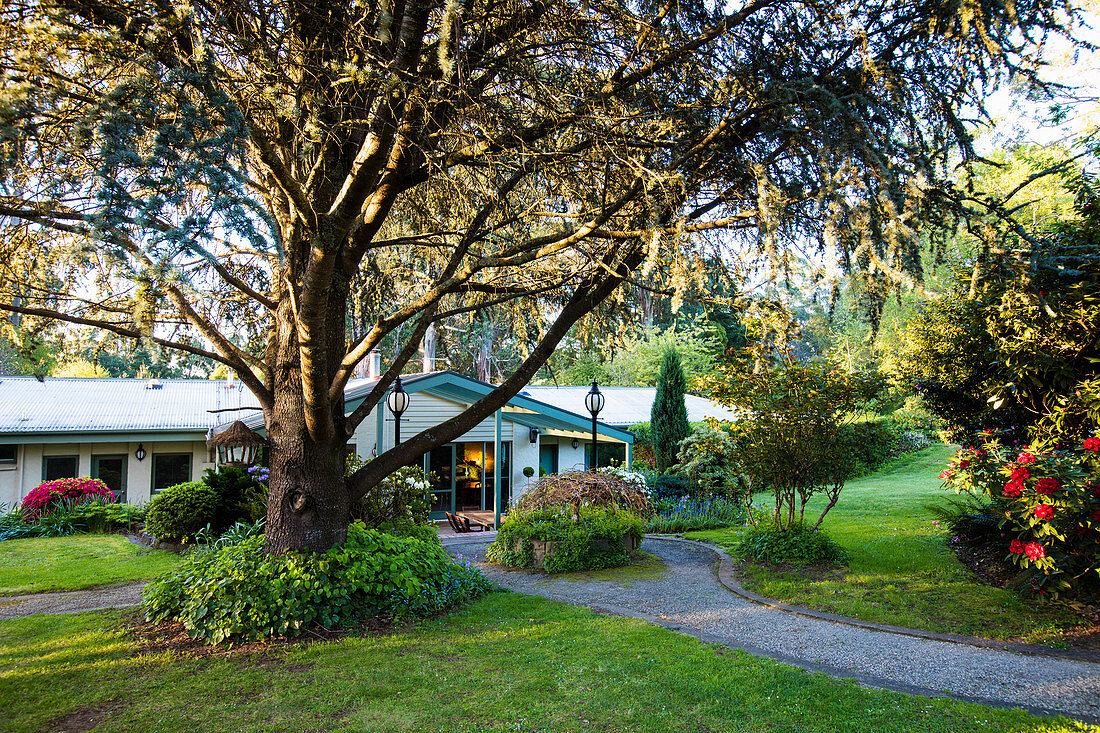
(865, 446)
(789, 441)
(594, 540)
(180, 511)
(68, 517)
(400, 499)
(241, 593)
(1014, 347)
(240, 495)
(668, 419)
(686, 515)
(1048, 503)
(794, 544)
(707, 461)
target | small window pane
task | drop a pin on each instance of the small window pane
(8, 454)
(170, 469)
(55, 467)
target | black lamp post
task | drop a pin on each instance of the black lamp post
(594, 402)
(398, 402)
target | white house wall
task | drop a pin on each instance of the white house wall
(19, 480)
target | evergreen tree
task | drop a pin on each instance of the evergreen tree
(669, 419)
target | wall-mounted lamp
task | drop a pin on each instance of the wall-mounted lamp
(534, 435)
(575, 443)
(140, 452)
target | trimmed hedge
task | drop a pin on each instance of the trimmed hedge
(180, 511)
(240, 593)
(593, 541)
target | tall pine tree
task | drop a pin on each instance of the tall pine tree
(669, 419)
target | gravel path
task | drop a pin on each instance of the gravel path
(689, 598)
(118, 596)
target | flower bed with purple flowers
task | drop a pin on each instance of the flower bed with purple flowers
(1050, 500)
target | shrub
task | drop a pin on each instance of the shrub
(240, 593)
(670, 486)
(864, 447)
(795, 544)
(707, 462)
(241, 495)
(970, 520)
(52, 493)
(791, 439)
(594, 540)
(70, 516)
(1048, 499)
(400, 499)
(695, 514)
(609, 487)
(180, 511)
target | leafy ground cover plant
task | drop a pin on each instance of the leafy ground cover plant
(240, 593)
(52, 493)
(589, 540)
(1050, 499)
(70, 516)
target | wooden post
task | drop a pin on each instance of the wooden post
(498, 494)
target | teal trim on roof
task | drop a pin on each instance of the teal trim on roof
(465, 390)
(76, 436)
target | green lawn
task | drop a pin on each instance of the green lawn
(71, 563)
(507, 662)
(902, 571)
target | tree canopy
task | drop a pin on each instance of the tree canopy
(285, 186)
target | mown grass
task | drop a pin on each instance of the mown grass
(902, 571)
(43, 564)
(507, 662)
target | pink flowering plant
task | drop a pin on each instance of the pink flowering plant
(1050, 498)
(50, 494)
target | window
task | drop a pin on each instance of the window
(170, 469)
(111, 470)
(7, 454)
(55, 467)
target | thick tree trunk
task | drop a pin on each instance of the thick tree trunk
(307, 504)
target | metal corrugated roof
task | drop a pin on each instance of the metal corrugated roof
(624, 406)
(117, 405)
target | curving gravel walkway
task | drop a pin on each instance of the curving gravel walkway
(689, 598)
(76, 601)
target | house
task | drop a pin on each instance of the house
(141, 436)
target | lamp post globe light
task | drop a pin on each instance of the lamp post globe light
(398, 401)
(594, 401)
(237, 446)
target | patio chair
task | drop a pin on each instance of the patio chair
(461, 525)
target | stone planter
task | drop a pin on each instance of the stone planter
(544, 549)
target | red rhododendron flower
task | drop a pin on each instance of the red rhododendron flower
(1013, 488)
(947, 473)
(1025, 458)
(1092, 443)
(1035, 550)
(964, 463)
(49, 494)
(1047, 486)
(1020, 474)
(1017, 547)
(1044, 511)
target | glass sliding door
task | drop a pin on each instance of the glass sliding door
(439, 465)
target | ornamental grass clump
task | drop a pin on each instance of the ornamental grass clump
(241, 593)
(1048, 498)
